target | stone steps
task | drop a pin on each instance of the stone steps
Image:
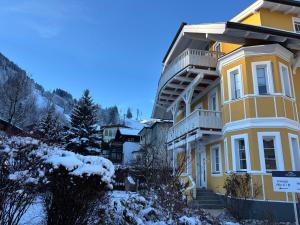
(206, 199)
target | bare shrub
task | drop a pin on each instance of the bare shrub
(238, 189)
(154, 168)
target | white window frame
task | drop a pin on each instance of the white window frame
(212, 148)
(234, 138)
(269, 74)
(281, 65)
(226, 156)
(213, 93)
(230, 85)
(295, 19)
(278, 150)
(291, 148)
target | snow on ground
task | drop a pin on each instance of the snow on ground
(35, 214)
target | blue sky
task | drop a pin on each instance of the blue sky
(113, 48)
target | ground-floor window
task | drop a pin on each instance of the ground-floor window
(216, 161)
(270, 151)
(295, 151)
(240, 152)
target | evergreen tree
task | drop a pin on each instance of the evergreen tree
(114, 117)
(49, 127)
(83, 136)
(129, 114)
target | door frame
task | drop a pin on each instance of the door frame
(201, 154)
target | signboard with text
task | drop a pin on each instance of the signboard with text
(286, 181)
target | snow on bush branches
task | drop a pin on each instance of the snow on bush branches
(55, 157)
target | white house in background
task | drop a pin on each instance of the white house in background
(154, 135)
(108, 132)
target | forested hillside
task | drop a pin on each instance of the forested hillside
(23, 102)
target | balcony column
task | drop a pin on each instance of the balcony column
(187, 99)
(189, 158)
(174, 111)
(174, 158)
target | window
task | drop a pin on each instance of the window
(213, 102)
(285, 80)
(262, 78)
(295, 151)
(240, 153)
(270, 151)
(296, 25)
(261, 72)
(235, 83)
(216, 161)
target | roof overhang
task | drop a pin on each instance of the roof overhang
(230, 32)
(285, 6)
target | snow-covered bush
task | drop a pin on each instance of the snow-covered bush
(128, 208)
(21, 177)
(71, 184)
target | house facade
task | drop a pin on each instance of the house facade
(232, 90)
(154, 137)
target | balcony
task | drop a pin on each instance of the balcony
(180, 73)
(205, 120)
(189, 57)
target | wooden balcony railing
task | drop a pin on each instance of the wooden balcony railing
(199, 119)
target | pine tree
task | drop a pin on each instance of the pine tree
(129, 114)
(83, 136)
(49, 127)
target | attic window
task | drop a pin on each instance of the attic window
(296, 25)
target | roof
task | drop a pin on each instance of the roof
(128, 131)
(289, 6)
(114, 126)
(174, 40)
(232, 32)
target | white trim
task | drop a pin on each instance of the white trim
(226, 159)
(262, 122)
(229, 80)
(248, 11)
(258, 50)
(212, 149)
(260, 96)
(292, 150)
(281, 65)
(269, 78)
(222, 91)
(277, 146)
(233, 151)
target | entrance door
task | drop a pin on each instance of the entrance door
(203, 169)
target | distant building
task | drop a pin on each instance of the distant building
(108, 132)
(9, 129)
(119, 141)
(154, 135)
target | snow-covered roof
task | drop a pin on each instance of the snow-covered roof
(129, 131)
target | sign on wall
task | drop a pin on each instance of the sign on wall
(286, 181)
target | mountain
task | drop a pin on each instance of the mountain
(62, 100)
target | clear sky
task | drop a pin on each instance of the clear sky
(112, 47)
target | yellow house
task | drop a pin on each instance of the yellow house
(233, 92)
